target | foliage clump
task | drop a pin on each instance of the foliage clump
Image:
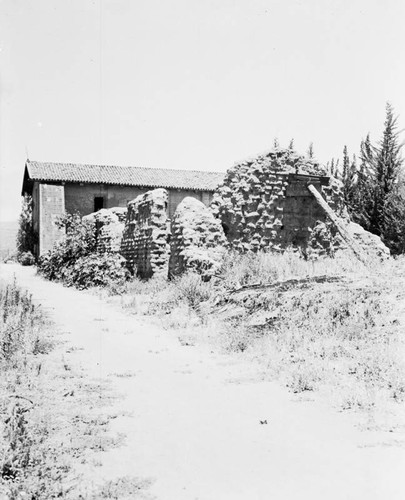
(26, 259)
(20, 322)
(374, 187)
(26, 237)
(75, 260)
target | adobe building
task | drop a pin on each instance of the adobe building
(57, 188)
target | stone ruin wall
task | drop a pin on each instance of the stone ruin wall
(144, 242)
(197, 240)
(109, 227)
(264, 204)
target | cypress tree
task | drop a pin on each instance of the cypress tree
(386, 162)
(374, 191)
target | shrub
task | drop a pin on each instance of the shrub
(97, 270)
(191, 289)
(75, 261)
(20, 322)
(26, 259)
(26, 237)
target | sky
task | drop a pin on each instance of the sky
(191, 84)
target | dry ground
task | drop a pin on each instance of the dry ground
(203, 425)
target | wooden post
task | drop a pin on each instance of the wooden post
(337, 221)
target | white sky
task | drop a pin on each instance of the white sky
(191, 84)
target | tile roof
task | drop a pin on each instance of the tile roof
(126, 176)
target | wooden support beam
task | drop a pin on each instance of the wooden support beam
(337, 221)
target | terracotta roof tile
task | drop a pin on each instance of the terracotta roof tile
(125, 176)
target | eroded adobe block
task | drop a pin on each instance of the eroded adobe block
(144, 243)
(197, 239)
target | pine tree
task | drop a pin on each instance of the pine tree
(346, 177)
(366, 151)
(386, 165)
(374, 191)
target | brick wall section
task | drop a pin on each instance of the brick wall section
(109, 227)
(51, 207)
(80, 198)
(145, 239)
(264, 204)
(197, 239)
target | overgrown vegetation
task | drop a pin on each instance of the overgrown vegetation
(343, 334)
(20, 325)
(312, 324)
(51, 419)
(21, 340)
(26, 237)
(374, 186)
(75, 260)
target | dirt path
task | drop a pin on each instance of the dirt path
(193, 417)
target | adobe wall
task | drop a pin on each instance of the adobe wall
(197, 239)
(51, 204)
(144, 242)
(109, 226)
(80, 198)
(264, 204)
(177, 196)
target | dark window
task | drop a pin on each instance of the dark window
(98, 203)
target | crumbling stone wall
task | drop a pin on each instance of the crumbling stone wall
(264, 204)
(109, 228)
(197, 239)
(144, 243)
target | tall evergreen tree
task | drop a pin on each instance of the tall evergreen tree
(374, 190)
(386, 165)
(25, 236)
(346, 176)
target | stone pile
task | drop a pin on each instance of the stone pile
(197, 240)
(145, 239)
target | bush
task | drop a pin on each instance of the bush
(20, 323)
(191, 289)
(26, 259)
(97, 270)
(75, 260)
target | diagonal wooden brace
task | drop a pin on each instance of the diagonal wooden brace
(337, 221)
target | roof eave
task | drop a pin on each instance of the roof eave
(180, 188)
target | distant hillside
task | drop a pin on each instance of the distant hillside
(8, 233)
